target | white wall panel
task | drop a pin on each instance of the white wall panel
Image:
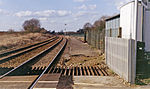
(127, 21)
(120, 57)
(147, 31)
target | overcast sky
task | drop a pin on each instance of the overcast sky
(54, 14)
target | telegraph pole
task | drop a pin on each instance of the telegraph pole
(65, 29)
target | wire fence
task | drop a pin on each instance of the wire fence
(96, 38)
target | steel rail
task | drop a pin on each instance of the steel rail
(2, 60)
(33, 58)
(37, 79)
(23, 48)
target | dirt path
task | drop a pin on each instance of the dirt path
(79, 48)
(79, 53)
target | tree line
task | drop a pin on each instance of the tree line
(32, 26)
(98, 24)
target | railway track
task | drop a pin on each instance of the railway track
(15, 53)
(52, 74)
(51, 63)
(41, 70)
(56, 49)
(15, 61)
(14, 64)
(24, 48)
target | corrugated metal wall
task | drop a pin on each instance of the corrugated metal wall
(121, 58)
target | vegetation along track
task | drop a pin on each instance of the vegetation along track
(16, 53)
(26, 58)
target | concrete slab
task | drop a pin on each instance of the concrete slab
(101, 82)
(18, 78)
(50, 77)
(98, 81)
(16, 82)
(96, 87)
(44, 88)
(10, 85)
(48, 81)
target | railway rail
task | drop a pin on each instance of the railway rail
(58, 47)
(23, 48)
(13, 62)
(46, 62)
(52, 63)
(15, 53)
(18, 65)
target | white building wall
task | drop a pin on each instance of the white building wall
(146, 30)
(127, 21)
(140, 23)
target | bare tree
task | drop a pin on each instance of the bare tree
(11, 31)
(100, 24)
(43, 30)
(87, 25)
(32, 25)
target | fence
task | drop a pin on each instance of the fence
(96, 38)
(121, 58)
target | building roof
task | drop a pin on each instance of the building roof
(113, 17)
(129, 3)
